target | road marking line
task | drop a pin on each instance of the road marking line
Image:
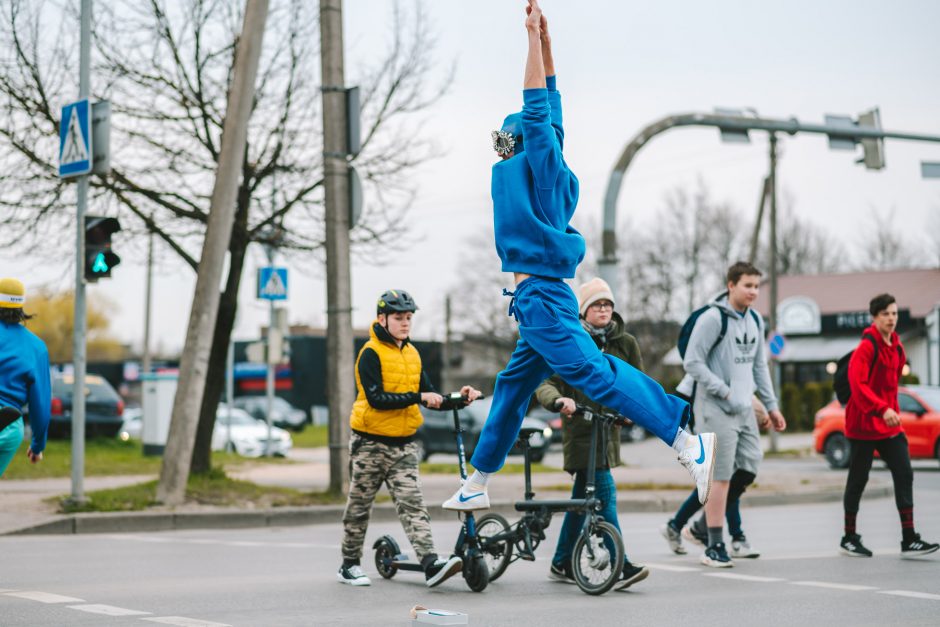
(182, 621)
(5, 590)
(247, 543)
(44, 597)
(754, 578)
(107, 610)
(672, 568)
(911, 594)
(820, 555)
(834, 586)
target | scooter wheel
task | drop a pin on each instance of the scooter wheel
(476, 573)
(385, 560)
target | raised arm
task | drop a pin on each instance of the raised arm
(534, 64)
(554, 98)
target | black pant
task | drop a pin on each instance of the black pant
(895, 454)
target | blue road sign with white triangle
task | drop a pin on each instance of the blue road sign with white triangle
(75, 155)
(272, 283)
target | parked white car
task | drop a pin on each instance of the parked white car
(248, 435)
(133, 424)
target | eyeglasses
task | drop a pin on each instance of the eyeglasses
(600, 305)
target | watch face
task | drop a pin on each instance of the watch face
(503, 142)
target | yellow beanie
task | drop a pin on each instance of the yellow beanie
(12, 294)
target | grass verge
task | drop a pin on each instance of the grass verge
(214, 488)
(106, 457)
(312, 436)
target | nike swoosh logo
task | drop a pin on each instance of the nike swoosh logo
(701, 457)
(461, 498)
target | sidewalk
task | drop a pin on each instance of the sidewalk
(651, 475)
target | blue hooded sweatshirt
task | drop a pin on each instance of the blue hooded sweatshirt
(535, 194)
(24, 378)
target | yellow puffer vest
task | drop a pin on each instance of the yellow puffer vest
(401, 372)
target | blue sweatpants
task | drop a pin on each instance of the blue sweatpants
(551, 340)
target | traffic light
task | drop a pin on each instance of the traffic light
(99, 259)
(873, 155)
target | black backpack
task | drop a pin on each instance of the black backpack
(840, 379)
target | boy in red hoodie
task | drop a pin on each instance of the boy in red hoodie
(872, 424)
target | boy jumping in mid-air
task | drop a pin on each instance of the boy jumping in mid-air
(534, 198)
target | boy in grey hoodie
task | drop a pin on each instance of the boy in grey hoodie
(728, 370)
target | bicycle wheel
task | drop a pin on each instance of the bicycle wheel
(597, 558)
(476, 573)
(496, 554)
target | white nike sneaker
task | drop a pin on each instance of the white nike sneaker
(468, 497)
(699, 459)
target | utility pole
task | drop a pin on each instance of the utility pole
(339, 340)
(269, 375)
(772, 191)
(447, 383)
(755, 237)
(80, 315)
(194, 364)
(146, 365)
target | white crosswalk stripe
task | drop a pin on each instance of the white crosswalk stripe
(107, 610)
(44, 597)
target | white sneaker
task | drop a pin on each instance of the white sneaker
(353, 576)
(469, 497)
(699, 459)
(742, 548)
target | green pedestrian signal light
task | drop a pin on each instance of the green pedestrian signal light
(99, 258)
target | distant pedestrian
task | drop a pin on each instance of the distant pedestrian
(24, 377)
(872, 424)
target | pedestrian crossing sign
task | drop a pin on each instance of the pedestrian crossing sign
(75, 151)
(272, 283)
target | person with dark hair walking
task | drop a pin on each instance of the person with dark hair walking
(872, 424)
(24, 377)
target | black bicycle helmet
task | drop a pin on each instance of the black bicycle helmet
(392, 301)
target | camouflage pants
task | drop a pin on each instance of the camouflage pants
(372, 464)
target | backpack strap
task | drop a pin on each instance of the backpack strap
(724, 329)
(756, 317)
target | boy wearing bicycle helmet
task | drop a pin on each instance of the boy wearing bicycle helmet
(390, 383)
(596, 307)
(535, 195)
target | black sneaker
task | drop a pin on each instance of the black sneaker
(631, 574)
(560, 573)
(716, 556)
(915, 546)
(440, 570)
(852, 546)
(353, 576)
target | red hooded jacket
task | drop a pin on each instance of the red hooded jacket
(872, 395)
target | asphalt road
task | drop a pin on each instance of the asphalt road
(286, 576)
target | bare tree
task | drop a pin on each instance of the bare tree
(802, 246)
(882, 246)
(166, 68)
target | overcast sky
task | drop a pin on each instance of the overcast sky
(621, 65)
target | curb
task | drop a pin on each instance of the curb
(133, 522)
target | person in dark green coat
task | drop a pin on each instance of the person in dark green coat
(596, 303)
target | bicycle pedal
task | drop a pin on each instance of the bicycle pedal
(529, 557)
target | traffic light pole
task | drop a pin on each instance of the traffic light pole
(269, 378)
(78, 350)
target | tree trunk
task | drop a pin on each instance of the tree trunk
(224, 324)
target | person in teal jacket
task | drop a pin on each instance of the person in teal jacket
(24, 377)
(535, 195)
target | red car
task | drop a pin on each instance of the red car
(920, 417)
